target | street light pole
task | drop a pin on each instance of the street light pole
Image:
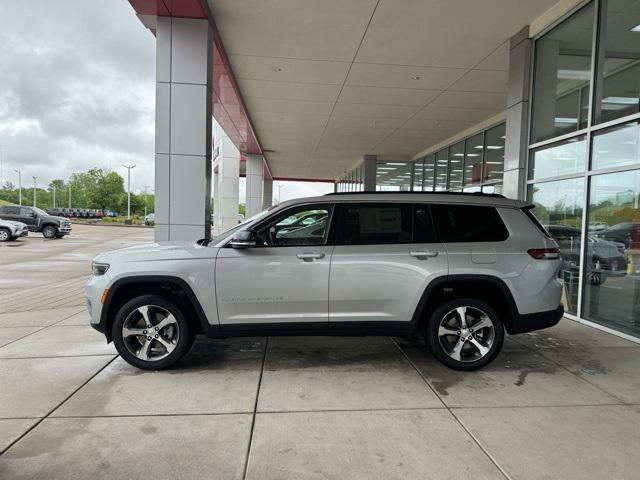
(145, 200)
(69, 187)
(54, 195)
(35, 198)
(19, 172)
(129, 167)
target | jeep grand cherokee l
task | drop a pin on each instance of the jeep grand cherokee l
(459, 269)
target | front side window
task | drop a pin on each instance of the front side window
(468, 223)
(375, 224)
(298, 226)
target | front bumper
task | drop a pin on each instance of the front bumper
(64, 229)
(536, 321)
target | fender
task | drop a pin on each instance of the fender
(443, 282)
(154, 279)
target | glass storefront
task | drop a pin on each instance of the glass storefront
(586, 185)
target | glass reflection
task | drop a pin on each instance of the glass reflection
(473, 149)
(559, 159)
(429, 172)
(442, 167)
(559, 209)
(494, 153)
(562, 77)
(612, 279)
(618, 75)
(456, 159)
(617, 146)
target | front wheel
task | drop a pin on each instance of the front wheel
(465, 334)
(151, 332)
(5, 235)
(49, 231)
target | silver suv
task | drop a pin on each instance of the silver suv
(460, 269)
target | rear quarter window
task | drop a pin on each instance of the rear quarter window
(468, 223)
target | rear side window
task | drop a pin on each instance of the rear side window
(375, 224)
(468, 223)
(528, 212)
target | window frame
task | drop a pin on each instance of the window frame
(282, 214)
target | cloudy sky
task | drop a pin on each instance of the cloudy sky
(77, 81)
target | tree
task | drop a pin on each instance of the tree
(108, 191)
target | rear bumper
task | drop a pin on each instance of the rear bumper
(536, 321)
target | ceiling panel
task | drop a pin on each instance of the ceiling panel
(387, 96)
(444, 33)
(371, 110)
(490, 101)
(400, 76)
(496, 60)
(314, 92)
(464, 115)
(326, 30)
(482, 81)
(288, 70)
(257, 104)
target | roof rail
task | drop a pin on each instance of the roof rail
(477, 194)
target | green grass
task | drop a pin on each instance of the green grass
(4, 202)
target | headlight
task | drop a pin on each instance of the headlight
(99, 268)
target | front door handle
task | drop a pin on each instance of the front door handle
(310, 256)
(423, 253)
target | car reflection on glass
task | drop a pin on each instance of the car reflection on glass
(627, 233)
(605, 258)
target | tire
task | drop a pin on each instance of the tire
(152, 352)
(481, 345)
(5, 235)
(49, 231)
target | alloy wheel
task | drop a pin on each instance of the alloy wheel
(466, 334)
(150, 332)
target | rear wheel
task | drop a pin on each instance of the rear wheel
(5, 235)
(465, 334)
(49, 231)
(151, 332)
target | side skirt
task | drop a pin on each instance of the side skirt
(340, 329)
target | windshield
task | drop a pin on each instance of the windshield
(38, 211)
(240, 226)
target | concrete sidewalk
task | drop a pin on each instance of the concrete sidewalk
(562, 403)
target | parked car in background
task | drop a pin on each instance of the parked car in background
(10, 230)
(604, 258)
(150, 219)
(460, 269)
(37, 220)
(56, 212)
(627, 233)
(597, 226)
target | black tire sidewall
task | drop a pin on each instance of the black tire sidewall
(433, 341)
(49, 228)
(185, 340)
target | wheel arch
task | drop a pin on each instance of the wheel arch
(493, 290)
(172, 288)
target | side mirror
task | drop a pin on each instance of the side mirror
(244, 239)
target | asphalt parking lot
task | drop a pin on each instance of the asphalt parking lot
(562, 403)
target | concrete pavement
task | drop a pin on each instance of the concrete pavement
(562, 403)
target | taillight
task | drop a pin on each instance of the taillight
(544, 253)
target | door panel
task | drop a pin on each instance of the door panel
(285, 277)
(272, 285)
(385, 256)
(381, 282)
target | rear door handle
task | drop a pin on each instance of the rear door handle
(310, 256)
(423, 253)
